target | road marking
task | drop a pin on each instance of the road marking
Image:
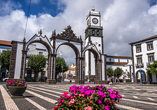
(135, 97)
(35, 104)
(45, 92)
(139, 101)
(151, 99)
(42, 97)
(9, 103)
(127, 107)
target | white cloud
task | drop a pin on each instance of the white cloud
(35, 1)
(8, 6)
(123, 21)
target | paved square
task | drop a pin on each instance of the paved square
(40, 96)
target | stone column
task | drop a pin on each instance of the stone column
(81, 81)
(23, 60)
(77, 79)
(12, 60)
(51, 71)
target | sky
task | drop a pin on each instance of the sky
(123, 21)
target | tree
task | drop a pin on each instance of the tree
(109, 72)
(118, 72)
(152, 68)
(129, 74)
(5, 59)
(37, 63)
(59, 63)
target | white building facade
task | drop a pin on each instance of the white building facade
(123, 62)
(32, 50)
(144, 52)
(4, 45)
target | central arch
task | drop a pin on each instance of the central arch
(67, 37)
(92, 48)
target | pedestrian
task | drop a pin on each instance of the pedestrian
(108, 80)
(112, 80)
(124, 80)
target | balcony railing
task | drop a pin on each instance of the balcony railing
(149, 63)
(140, 65)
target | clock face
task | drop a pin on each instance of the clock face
(95, 20)
(88, 22)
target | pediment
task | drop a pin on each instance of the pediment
(67, 34)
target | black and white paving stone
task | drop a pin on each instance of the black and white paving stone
(40, 96)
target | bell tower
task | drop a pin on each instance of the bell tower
(94, 35)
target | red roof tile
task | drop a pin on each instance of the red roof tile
(149, 38)
(2, 42)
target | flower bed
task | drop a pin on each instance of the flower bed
(88, 98)
(15, 83)
(16, 87)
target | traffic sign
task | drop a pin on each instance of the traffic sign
(142, 72)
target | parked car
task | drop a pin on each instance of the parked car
(4, 79)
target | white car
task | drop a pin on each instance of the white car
(4, 79)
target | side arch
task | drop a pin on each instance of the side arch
(98, 63)
(140, 76)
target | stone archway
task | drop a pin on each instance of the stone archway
(17, 65)
(67, 37)
(77, 54)
(42, 40)
(139, 77)
(99, 76)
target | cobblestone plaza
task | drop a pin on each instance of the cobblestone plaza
(40, 96)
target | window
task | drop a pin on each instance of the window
(110, 59)
(139, 60)
(151, 57)
(40, 53)
(93, 32)
(97, 32)
(138, 48)
(150, 46)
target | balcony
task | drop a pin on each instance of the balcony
(140, 65)
(149, 63)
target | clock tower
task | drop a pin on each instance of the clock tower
(94, 35)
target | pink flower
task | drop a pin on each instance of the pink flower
(87, 92)
(66, 97)
(71, 101)
(81, 95)
(59, 104)
(100, 93)
(88, 108)
(99, 101)
(65, 93)
(90, 101)
(107, 107)
(62, 101)
(112, 96)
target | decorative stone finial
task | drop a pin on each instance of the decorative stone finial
(40, 33)
(93, 9)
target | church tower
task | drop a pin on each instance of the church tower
(94, 35)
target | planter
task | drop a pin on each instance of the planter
(7, 85)
(17, 91)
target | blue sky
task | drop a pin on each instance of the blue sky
(123, 21)
(52, 7)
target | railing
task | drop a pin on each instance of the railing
(149, 63)
(140, 65)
